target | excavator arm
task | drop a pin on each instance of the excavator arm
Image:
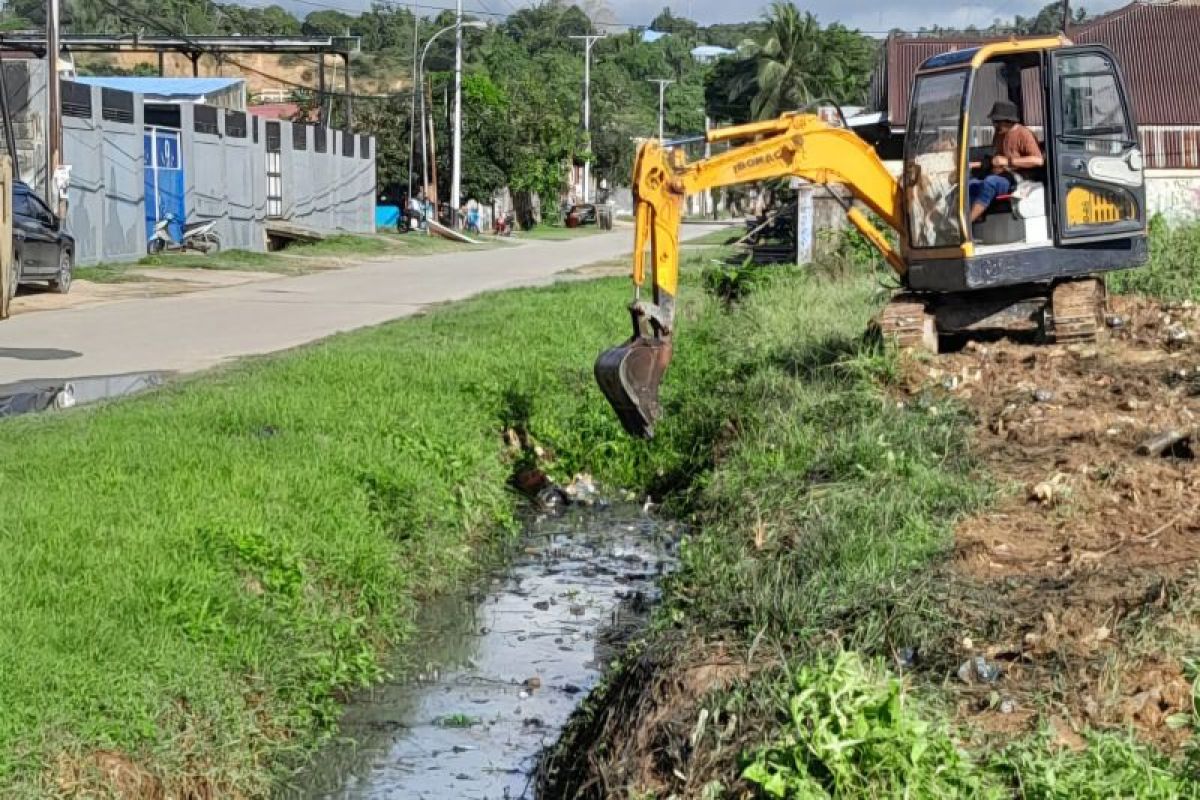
(795, 145)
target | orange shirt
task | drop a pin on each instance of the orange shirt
(1019, 142)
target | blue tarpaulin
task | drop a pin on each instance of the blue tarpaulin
(387, 216)
(173, 88)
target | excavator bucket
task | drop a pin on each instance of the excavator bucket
(629, 376)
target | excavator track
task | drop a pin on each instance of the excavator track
(907, 322)
(1076, 310)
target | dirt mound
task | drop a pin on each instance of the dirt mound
(1077, 583)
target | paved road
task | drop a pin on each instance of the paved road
(195, 331)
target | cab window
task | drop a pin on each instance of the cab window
(1091, 103)
(931, 156)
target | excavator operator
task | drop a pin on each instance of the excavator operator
(1015, 154)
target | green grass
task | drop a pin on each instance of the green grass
(557, 233)
(344, 245)
(1173, 272)
(240, 260)
(191, 577)
(227, 259)
(297, 259)
(421, 244)
(724, 235)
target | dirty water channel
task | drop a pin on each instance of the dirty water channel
(29, 397)
(495, 674)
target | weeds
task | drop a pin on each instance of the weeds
(851, 732)
(294, 260)
(1173, 272)
(731, 284)
(1111, 765)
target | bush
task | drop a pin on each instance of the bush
(850, 733)
(1173, 272)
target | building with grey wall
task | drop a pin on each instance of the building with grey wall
(134, 161)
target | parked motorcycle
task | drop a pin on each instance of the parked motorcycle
(504, 224)
(199, 236)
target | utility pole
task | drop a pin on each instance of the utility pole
(709, 195)
(349, 95)
(456, 157)
(663, 83)
(1066, 16)
(412, 114)
(588, 41)
(54, 113)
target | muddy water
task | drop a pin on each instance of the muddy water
(499, 673)
(34, 396)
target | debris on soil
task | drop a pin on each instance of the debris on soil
(978, 670)
(1062, 582)
(582, 490)
(1174, 444)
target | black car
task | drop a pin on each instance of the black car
(581, 214)
(42, 250)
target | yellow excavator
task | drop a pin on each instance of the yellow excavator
(1032, 262)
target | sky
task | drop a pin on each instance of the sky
(866, 15)
(872, 16)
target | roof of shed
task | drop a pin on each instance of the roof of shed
(1158, 48)
(163, 87)
(1155, 44)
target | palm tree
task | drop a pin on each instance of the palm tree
(789, 62)
(797, 63)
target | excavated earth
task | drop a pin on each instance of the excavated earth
(1078, 583)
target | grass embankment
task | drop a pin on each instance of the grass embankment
(822, 509)
(192, 577)
(297, 259)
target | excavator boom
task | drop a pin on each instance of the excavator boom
(795, 145)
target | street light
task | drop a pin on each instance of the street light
(478, 24)
(588, 41)
(662, 87)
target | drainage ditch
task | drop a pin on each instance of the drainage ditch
(501, 670)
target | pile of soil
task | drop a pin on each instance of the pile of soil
(1077, 584)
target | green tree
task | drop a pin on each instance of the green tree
(666, 22)
(789, 63)
(328, 23)
(795, 63)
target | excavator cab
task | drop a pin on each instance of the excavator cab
(1082, 212)
(1027, 261)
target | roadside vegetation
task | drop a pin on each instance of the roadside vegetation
(194, 577)
(244, 547)
(556, 233)
(811, 642)
(296, 259)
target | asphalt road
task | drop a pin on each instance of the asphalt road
(191, 332)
